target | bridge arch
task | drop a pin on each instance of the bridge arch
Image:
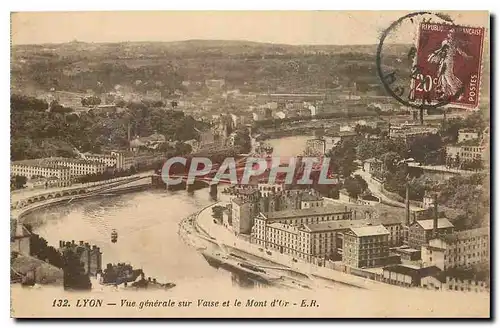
(57, 195)
(42, 197)
(66, 193)
(50, 196)
(81, 191)
(74, 192)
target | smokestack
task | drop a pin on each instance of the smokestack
(436, 214)
(128, 132)
(407, 205)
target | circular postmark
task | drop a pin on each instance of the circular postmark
(398, 67)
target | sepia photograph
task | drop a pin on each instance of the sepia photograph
(250, 164)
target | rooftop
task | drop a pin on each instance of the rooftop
(466, 234)
(39, 162)
(414, 271)
(370, 231)
(288, 214)
(443, 223)
(373, 160)
(238, 201)
(70, 160)
(334, 225)
(307, 197)
(285, 227)
(467, 130)
(472, 142)
(97, 155)
(341, 134)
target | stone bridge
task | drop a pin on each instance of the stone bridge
(72, 191)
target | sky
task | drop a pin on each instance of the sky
(288, 27)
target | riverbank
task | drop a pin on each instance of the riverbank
(224, 237)
(44, 272)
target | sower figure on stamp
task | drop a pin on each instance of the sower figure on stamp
(448, 84)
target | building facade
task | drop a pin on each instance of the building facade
(19, 238)
(309, 242)
(366, 247)
(466, 135)
(420, 232)
(79, 167)
(33, 169)
(311, 201)
(242, 215)
(109, 160)
(315, 147)
(90, 256)
(458, 250)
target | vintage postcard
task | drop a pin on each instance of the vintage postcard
(232, 164)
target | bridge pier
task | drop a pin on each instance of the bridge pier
(213, 191)
(190, 187)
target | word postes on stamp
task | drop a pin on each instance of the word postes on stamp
(448, 64)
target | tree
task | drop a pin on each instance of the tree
(474, 165)
(182, 148)
(18, 182)
(396, 181)
(355, 186)
(390, 160)
(242, 140)
(91, 101)
(342, 158)
(427, 149)
(367, 148)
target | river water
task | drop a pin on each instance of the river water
(147, 224)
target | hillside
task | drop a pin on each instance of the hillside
(37, 133)
(253, 66)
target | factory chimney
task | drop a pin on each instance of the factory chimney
(407, 204)
(435, 221)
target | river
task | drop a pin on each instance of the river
(288, 146)
(147, 225)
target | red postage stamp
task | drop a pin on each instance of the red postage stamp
(448, 65)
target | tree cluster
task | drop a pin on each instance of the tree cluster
(40, 249)
(36, 133)
(355, 186)
(91, 101)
